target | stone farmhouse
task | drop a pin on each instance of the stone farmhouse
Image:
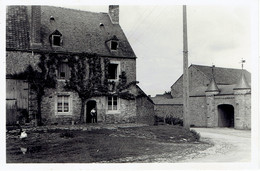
(66, 33)
(219, 97)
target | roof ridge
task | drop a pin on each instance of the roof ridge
(217, 67)
(73, 9)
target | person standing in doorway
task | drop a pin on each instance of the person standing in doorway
(93, 116)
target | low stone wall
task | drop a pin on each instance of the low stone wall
(164, 110)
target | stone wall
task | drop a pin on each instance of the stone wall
(125, 114)
(164, 110)
(198, 111)
(49, 106)
(145, 110)
(127, 65)
(243, 109)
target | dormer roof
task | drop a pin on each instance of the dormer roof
(212, 86)
(242, 83)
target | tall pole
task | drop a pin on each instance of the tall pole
(186, 116)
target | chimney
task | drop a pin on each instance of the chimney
(36, 26)
(114, 13)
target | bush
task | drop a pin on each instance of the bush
(168, 120)
(195, 134)
(158, 119)
(173, 121)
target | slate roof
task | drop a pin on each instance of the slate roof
(198, 91)
(225, 76)
(81, 30)
(223, 90)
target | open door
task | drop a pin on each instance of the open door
(90, 105)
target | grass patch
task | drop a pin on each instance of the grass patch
(62, 146)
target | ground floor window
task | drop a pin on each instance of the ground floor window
(112, 103)
(63, 104)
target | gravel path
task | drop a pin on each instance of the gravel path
(230, 145)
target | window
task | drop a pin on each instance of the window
(63, 103)
(64, 71)
(112, 71)
(56, 40)
(114, 45)
(112, 103)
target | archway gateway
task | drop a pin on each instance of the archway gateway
(90, 105)
(225, 115)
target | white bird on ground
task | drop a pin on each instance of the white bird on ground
(24, 150)
(23, 135)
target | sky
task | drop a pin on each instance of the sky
(218, 35)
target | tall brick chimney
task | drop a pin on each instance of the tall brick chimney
(114, 13)
(36, 26)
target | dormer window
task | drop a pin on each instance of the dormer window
(114, 45)
(56, 38)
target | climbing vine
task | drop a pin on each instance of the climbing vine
(39, 79)
(87, 78)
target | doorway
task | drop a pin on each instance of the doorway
(225, 115)
(90, 105)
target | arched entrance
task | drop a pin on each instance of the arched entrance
(90, 105)
(225, 115)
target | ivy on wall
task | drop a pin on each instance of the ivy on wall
(87, 78)
(39, 79)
